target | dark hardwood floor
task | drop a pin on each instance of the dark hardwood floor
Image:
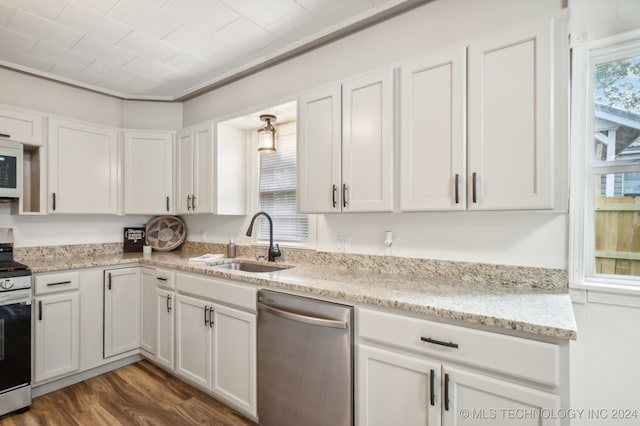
(138, 394)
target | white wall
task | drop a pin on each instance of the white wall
(22, 90)
(516, 238)
(151, 115)
(605, 353)
(604, 18)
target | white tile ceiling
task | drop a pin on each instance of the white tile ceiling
(167, 49)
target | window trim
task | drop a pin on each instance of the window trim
(585, 54)
(254, 195)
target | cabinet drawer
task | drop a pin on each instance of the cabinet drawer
(518, 357)
(218, 289)
(56, 282)
(165, 278)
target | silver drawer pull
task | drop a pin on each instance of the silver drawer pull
(58, 283)
(439, 342)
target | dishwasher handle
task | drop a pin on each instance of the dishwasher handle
(322, 322)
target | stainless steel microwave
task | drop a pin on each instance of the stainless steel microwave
(10, 170)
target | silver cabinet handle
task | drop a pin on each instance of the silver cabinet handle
(188, 202)
(168, 209)
(206, 316)
(193, 202)
(211, 317)
(335, 196)
(168, 303)
(322, 322)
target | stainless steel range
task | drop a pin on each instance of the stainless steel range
(15, 329)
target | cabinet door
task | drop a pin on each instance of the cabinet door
(396, 389)
(234, 357)
(367, 143)
(83, 168)
(319, 151)
(432, 149)
(230, 178)
(21, 127)
(510, 111)
(57, 335)
(193, 340)
(203, 169)
(121, 311)
(475, 399)
(165, 327)
(148, 172)
(185, 170)
(148, 337)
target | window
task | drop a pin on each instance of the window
(277, 191)
(613, 161)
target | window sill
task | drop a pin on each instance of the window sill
(609, 285)
(285, 244)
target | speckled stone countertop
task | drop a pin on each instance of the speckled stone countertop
(535, 311)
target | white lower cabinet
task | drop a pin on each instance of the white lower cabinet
(234, 356)
(57, 335)
(121, 310)
(165, 308)
(148, 335)
(193, 340)
(473, 399)
(418, 372)
(395, 388)
(215, 342)
(56, 325)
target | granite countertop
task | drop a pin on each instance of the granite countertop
(534, 311)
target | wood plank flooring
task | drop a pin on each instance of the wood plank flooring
(138, 394)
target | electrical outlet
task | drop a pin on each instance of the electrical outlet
(344, 243)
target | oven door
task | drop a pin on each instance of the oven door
(15, 340)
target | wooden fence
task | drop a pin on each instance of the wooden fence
(617, 235)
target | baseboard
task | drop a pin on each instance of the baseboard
(85, 375)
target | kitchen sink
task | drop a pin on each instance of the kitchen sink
(251, 267)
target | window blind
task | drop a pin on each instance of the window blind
(277, 193)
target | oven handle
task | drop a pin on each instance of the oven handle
(15, 297)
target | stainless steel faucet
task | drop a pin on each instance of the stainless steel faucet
(273, 251)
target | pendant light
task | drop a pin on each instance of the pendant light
(267, 134)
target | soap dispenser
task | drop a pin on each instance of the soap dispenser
(231, 249)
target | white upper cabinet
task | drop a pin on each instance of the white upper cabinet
(185, 170)
(367, 143)
(496, 152)
(432, 146)
(345, 146)
(319, 150)
(148, 172)
(511, 99)
(83, 168)
(211, 170)
(21, 126)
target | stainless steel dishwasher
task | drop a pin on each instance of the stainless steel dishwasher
(305, 361)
